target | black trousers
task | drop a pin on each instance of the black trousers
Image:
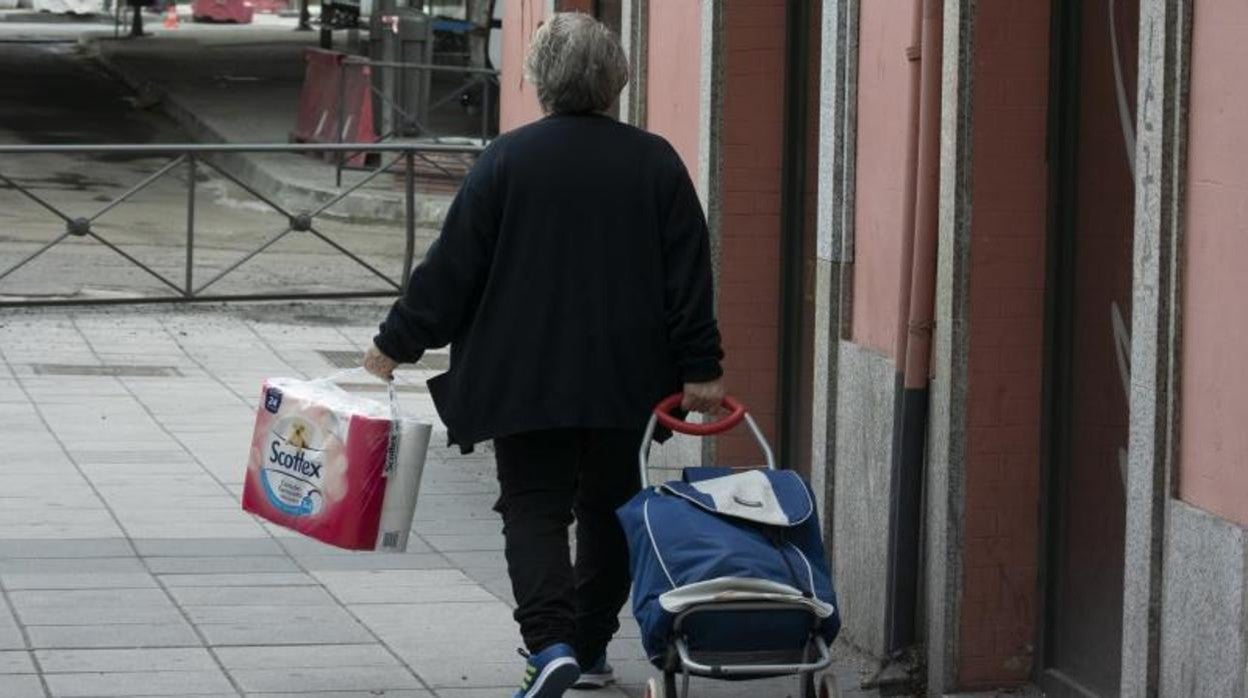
(548, 478)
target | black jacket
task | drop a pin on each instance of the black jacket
(572, 280)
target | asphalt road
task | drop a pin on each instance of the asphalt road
(52, 94)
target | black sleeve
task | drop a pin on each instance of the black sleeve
(688, 286)
(444, 288)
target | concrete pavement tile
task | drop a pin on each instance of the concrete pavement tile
(16, 663)
(456, 507)
(173, 634)
(311, 547)
(90, 547)
(88, 598)
(429, 633)
(456, 593)
(374, 561)
(301, 656)
(55, 530)
(207, 547)
(215, 565)
(10, 634)
(260, 625)
(466, 543)
(466, 672)
(351, 694)
(125, 660)
(110, 565)
(146, 683)
(487, 560)
(188, 531)
(252, 596)
(89, 580)
(492, 527)
(303, 680)
(401, 586)
(97, 615)
(25, 686)
(281, 579)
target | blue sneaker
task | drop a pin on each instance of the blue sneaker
(596, 675)
(549, 673)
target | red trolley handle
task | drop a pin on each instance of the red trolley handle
(663, 412)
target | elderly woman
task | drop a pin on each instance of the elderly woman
(572, 280)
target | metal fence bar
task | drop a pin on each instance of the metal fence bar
(355, 258)
(409, 227)
(249, 189)
(135, 262)
(193, 155)
(32, 257)
(201, 148)
(191, 172)
(250, 255)
(223, 298)
(431, 67)
(436, 166)
(145, 183)
(33, 197)
(371, 176)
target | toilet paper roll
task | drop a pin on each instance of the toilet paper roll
(403, 486)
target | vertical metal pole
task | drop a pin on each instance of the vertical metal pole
(485, 108)
(190, 224)
(340, 157)
(305, 17)
(410, 223)
(136, 26)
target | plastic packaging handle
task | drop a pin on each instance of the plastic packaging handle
(395, 415)
(663, 412)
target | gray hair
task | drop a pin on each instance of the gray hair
(577, 64)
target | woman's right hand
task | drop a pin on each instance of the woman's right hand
(703, 397)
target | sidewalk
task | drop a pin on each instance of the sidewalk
(128, 569)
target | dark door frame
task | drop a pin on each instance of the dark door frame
(1063, 160)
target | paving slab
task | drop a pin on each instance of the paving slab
(132, 635)
(17, 662)
(144, 683)
(125, 660)
(24, 686)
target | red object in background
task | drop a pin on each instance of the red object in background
(327, 81)
(270, 7)
(234, 11)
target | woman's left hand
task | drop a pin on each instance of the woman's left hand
(378, 364)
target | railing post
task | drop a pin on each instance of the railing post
(485, 108)
(409, 169)
(339, 157)
(191, 172)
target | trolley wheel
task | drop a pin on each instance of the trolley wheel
(653, 689)
(827, 687)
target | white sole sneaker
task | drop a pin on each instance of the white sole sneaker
(594, 681)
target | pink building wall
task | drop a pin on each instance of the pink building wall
(1213, 442)
(673, 80)
(883, 93)
(517, 100)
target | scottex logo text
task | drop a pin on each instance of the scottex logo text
(295, 461)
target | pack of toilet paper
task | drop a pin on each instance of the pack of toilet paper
(337, 467)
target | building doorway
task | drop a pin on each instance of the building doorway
(1095, 45)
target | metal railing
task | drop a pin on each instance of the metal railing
(403, 122)
(196, 156)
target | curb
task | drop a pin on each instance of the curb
(252, 169)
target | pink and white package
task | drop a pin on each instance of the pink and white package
(321, 464)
